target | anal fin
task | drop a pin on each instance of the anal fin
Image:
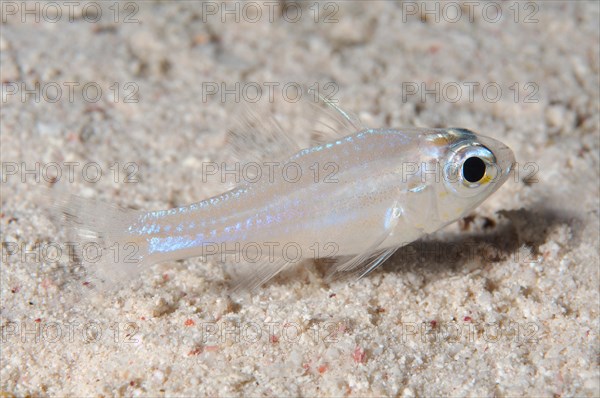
(249, 277)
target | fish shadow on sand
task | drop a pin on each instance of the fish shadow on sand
(500, 241)
(514, 235)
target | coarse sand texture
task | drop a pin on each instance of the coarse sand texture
(127, 102)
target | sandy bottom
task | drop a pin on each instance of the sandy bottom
(504, 303)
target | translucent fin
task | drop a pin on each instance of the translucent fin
(330, 122)
(274, 129)
(375, 261)
(363, 263)
(256, 136)
(98, 230)
(250, 276)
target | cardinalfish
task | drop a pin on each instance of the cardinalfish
(379, 189)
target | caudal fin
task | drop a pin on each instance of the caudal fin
(111, 256)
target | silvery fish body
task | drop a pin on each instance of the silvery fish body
(355, 198)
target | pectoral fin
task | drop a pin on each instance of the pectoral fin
(360, 265)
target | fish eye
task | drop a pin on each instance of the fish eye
(473, 169)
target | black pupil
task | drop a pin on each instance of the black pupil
(473, 169)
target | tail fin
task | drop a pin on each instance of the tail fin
(111, 256)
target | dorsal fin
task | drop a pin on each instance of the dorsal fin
(329, 120)
(257, 136)
(272, 129)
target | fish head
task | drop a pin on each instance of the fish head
(472, 167)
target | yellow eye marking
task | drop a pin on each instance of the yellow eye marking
(485, 179)
(440, 141)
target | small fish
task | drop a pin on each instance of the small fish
(354, 196)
